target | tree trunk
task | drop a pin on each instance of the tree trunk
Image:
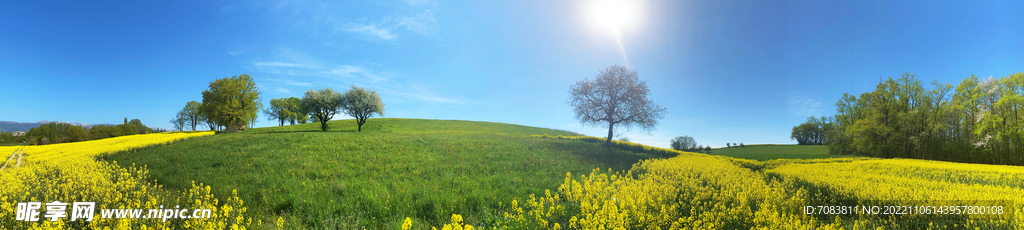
(609, 141)
(360, 127)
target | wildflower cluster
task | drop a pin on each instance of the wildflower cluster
(69, 172)
(697, 191)
(907, 181)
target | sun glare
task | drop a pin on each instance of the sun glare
(614, 14)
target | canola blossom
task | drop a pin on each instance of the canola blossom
(87, 149)
(70, 172)
(699, 191)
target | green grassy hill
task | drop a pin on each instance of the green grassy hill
(768, 152)
(394, 168)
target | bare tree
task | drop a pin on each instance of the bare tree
(179, 121)
(615, 97)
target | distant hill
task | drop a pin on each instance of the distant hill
(11, 126)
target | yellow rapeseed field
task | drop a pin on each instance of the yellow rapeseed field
(70, 173)
(698, 191)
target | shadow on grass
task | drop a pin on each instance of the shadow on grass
(307, 131)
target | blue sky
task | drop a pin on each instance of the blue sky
(727, 71)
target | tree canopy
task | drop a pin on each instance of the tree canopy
(978, 121)
(278, 110)
(233, 102)
(683, 143)
(192, 114)
(361, 103)
(616, 97)
(813, 131)
(322, 104)
(296, 114)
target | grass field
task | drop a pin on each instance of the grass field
(769, 152)
(394, 168)
(423, 173)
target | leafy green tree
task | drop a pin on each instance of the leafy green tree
(296, 114)
(126, 129)
(683, 143)
(322, 105)
(278, 110)
(976, 121)
(209, 121)
(139, 127)
(361, 104)
(192, 114)
(615, 97)
(812, 132)
(233, 102)
(104, 131)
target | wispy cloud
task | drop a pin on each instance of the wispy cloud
(418, 92)
(371, 30)
(298, 66)
(420, 3)
(282, 90)
(290, 82)
(278, 64)
(805, 107)
(298, 83)
(423, 23)
(349, 71)
(234, 53)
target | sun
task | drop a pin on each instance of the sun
(614, 14)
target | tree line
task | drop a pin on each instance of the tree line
(686, 143)
(233, 103)
(58, 132)
(977, 121)
(813, 131)
(229, 104)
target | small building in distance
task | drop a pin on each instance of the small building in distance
(17, 133)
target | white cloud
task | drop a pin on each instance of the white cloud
(423, 23)
(234, 53)
(418, 93)
(298, 83)
(805, 107)
(282, 90)
(420, 3)
(355, 71)
(372, 30)
(301, 67)
(278, 64)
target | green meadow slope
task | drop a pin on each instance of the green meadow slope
(769, 152)
(394, 168)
